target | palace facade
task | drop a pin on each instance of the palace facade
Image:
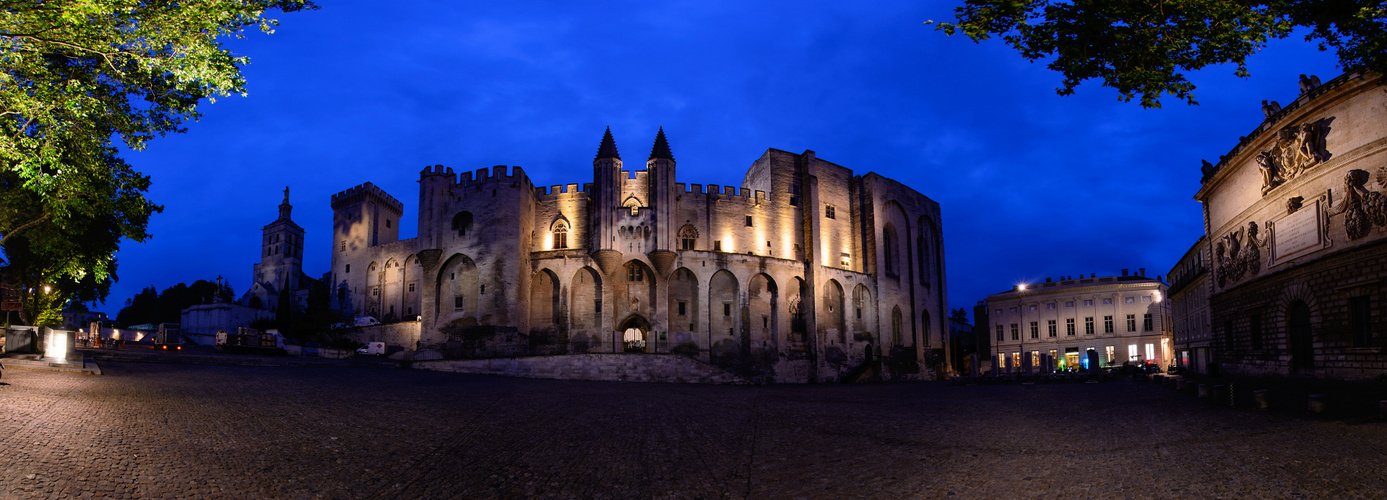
(1296, 219)
(806, 272)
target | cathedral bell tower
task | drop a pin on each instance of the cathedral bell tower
(281, 253)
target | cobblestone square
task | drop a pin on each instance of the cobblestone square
(186, 431)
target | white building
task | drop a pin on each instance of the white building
(1124, 318)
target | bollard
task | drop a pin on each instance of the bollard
(1204, 390)
(1260, 396)
(1317, 403)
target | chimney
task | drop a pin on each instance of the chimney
(1124, 273)
(1141, 272)
(1047, 279)
(1093, 275)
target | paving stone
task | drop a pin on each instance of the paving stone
(187, 431)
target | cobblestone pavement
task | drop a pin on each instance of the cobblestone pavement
(180, 431)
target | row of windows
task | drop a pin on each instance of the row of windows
(1071, 358)
(1147, 325)
(1069, 303)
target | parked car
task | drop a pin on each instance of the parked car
(365, 321)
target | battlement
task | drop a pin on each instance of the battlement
(722, 192)
(366, 192)
(439, 170)
(561, 191)
(496, 174)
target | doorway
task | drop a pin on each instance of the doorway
(1301, 338)
(635, 333)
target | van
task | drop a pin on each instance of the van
(365, 321)
(372, 349)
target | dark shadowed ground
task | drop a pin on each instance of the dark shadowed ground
(166, 431)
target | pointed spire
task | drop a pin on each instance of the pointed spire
(608, 147)
(661, 148)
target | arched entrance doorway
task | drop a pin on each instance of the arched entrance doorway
(635, 332)
(1301, 338)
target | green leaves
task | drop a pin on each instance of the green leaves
(74, 76)
(1144, 49)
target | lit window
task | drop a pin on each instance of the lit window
(1150, 351)
(1132, 352)
(1112, 355)
(561, 236)
(687, 237)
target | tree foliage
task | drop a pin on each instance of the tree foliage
(1144, 49)
(152, 307)
(74, 76)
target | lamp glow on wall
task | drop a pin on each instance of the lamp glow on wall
(57, 345)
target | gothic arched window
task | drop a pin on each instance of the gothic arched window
(688, 236)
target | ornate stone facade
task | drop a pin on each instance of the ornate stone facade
(1304, 296)
(806, 272)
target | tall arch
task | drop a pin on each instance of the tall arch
(411, 274)
(456, 289)
(897, 324)
(831, 313)
(864, 310)
(723, 308)
(762, 303)
(683, 306)
(890, 248)
(544, 307)
(635, 291)
(798, 307)
(585, 310)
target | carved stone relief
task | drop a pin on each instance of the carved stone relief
(1236, 260)
(1362, 208)
(1297, 149)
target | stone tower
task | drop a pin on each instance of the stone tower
(281, 252)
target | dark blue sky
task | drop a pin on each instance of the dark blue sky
(1031, 184)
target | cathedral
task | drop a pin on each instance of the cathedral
(806, 272)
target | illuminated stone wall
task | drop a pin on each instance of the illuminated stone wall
(783, 276)
(1297, 227)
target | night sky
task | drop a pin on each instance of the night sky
(1031, 184)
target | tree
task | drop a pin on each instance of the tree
(76, 74)
(960, 315)
(1145, 48)
(150, 306)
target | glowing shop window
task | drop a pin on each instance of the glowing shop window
(1150, 351)
(1132, 353)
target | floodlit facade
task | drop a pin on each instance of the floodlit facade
(1296, 218)
(805, 272)
(1123, 318)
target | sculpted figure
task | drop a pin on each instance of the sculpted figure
(1270, 177)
